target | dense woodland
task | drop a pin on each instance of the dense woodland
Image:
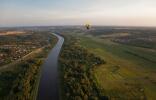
(24, 85)
(76, 65)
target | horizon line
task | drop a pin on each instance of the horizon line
(24, 26)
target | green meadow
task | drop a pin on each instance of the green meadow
(129, 72)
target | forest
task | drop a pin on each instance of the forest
(76, 65)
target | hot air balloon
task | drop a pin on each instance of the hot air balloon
(87, 26)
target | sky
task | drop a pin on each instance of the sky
(77, 12)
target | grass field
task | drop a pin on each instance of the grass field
(129, 72)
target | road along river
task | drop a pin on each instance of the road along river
(49, 86)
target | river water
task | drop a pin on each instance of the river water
(49, 86)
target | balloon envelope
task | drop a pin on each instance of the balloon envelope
(87, 26)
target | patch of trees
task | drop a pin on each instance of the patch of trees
(23, 86)
(20, 84)
(6, 78)
(77, 64)
(5, 50)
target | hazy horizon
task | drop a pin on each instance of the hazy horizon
(71, 12)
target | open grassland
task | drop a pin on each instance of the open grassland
(129, 72)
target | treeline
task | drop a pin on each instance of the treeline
(24, 86)
(20, 84)
(76, 64)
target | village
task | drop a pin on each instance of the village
(16, 44)
(10, 53)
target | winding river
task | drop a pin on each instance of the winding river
(48, 86)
